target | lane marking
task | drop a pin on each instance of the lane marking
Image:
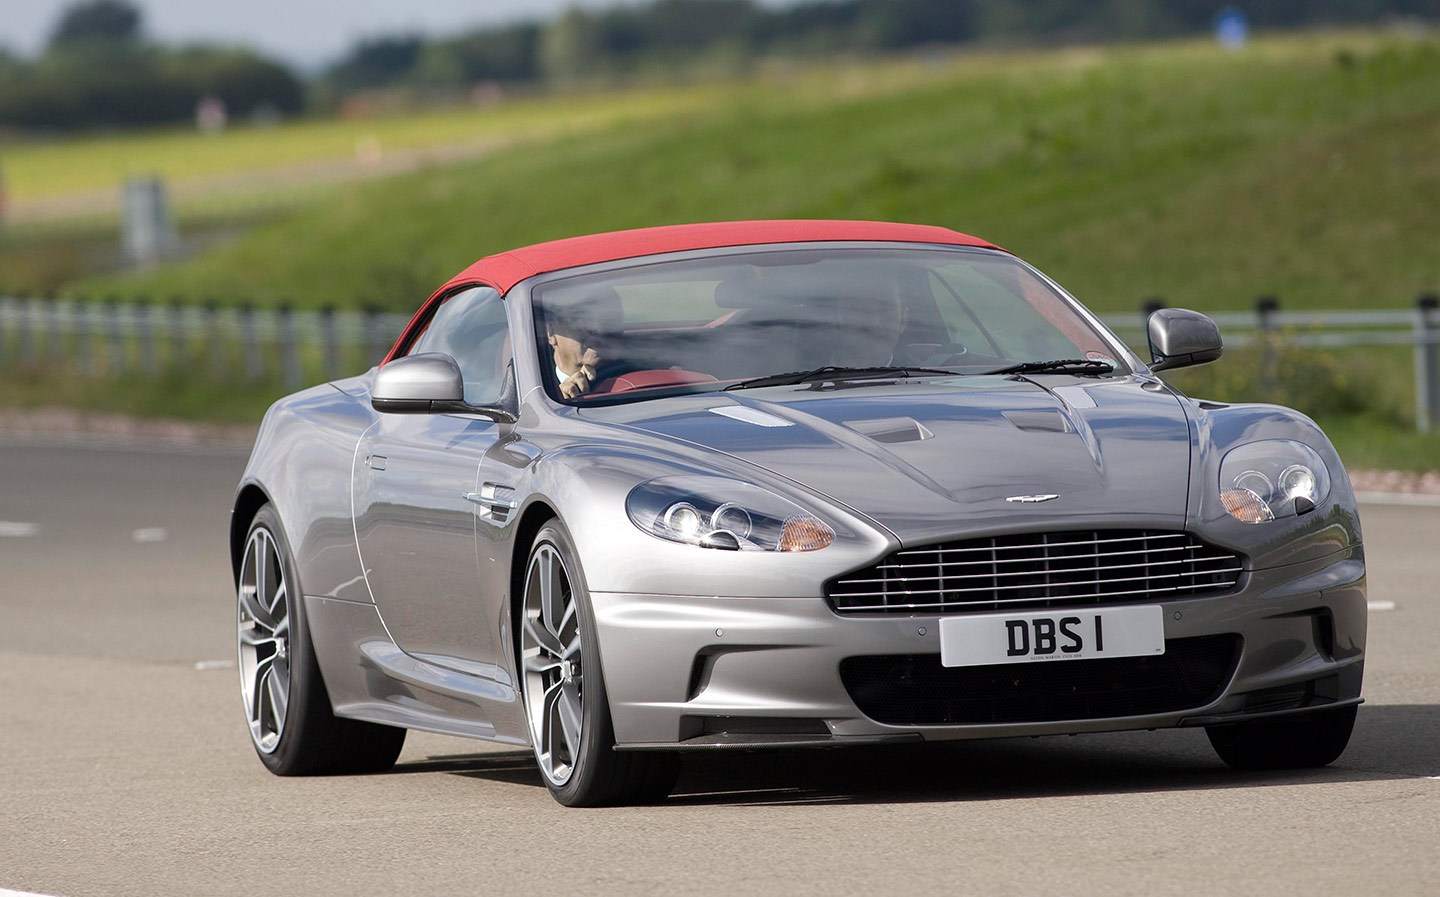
(150, 534)
(19, 531)
(8, 893)
(203, 665)
(1417, 499)
(1381, 605)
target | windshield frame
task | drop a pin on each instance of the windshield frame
(530, 330)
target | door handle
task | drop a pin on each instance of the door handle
(492, 500)
(376, 462)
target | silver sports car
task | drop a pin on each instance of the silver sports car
(785, 484)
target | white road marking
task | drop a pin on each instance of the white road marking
(7, 893)
(1382, 605)
(19, 531)
(1420, 499)
(150, 534)
(209, 665)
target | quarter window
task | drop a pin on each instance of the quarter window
(470, 326)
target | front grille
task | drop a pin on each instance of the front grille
(915, 690)
(1036, 570)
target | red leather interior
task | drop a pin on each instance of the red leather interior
(652, 379)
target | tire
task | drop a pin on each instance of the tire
(563, 686)
(1300, 742)
(292, 726)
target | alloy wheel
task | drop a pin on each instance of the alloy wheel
(552, 664)
(264, 624)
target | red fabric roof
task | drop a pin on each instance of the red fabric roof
(504, 270)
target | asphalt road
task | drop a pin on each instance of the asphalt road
(125, 769)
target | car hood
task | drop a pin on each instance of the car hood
(931, 459)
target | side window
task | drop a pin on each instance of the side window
(470, 327)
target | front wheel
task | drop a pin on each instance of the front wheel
(1300, 742)
(565, 700)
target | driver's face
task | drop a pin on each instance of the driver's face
(573, 348)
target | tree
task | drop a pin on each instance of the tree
(112, 21)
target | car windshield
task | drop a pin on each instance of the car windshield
(827, 315)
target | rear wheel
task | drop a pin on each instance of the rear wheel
(291, 723)
(1312, 739)
(565, 700)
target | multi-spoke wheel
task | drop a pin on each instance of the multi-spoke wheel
(554, 670)
(291, 722)
(264, 640)
(564, 691)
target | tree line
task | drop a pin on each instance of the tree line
(99, 71)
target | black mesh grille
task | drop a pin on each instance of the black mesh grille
(1036, 570)
(915, 690)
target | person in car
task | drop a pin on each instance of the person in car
(580, 331)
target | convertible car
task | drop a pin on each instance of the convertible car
(785, 484)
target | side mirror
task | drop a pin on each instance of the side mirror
(1180, 337)
(427, 384)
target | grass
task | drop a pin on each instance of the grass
(1304, 167)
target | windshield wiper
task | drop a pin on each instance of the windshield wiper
(836, 372)
(1058, 366)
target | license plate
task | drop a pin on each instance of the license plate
(1052, 635)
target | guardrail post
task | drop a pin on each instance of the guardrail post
(84, 335)
(116, 335)
(249, 345)
(329, 343)
(175, 314)
(54, 337)
(213, 341)
(1265, 310)
(374, 341)
(145, 335)
(1427, 362)
(26, 308)
(289, 351)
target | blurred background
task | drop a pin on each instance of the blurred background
(205, 206)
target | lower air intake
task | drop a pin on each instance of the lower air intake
(915, 690)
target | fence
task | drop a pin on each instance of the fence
(280, 344)
(106, 338)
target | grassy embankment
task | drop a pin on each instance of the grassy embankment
(1304, 167)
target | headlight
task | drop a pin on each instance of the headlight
(1269, 480)
(713, 512)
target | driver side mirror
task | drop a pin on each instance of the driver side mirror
(1181, 338)
(429, 383)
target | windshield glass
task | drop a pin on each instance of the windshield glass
(710, 323)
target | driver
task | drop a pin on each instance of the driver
(578, 329)
(869, 329)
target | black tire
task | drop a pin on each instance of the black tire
(600, 776)
(312, 740)
(1299, 742)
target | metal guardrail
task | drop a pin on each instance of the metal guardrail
(281, 344)
(271, 343)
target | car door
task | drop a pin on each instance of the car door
(417, 492)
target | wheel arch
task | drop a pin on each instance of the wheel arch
(536, 515)
(247, 503)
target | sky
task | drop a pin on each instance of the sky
(306, 33)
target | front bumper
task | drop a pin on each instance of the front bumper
(685, 671)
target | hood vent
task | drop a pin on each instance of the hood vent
(751, 416)
(891, 429)
(1039, 421)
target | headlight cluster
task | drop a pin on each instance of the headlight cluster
(713, 512)
(1272, 479)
